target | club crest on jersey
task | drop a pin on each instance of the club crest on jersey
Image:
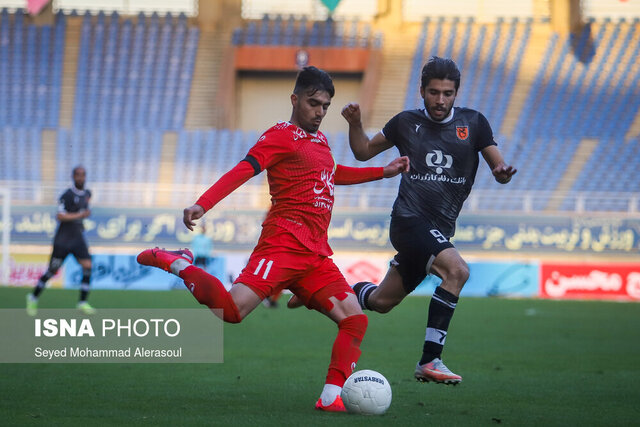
(462, 132)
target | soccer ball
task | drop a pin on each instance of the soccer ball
(366, 392)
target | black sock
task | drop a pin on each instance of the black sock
(363, 290)
(84, 285)
(441, 308)
(42, 283)
(84, 292)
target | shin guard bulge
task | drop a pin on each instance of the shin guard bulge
(210, 291)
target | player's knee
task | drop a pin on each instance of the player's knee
(54, 266)
(357, 324)
(459, 274)
(47, 275)
(382, 304)
(232, 317)
(231, 313)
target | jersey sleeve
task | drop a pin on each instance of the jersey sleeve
(390, 130)
(227, 183)
(485, 133)
(272, 147)
(64, 203)
(346, 175)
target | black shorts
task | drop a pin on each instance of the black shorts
(418, 243)
(76, 246)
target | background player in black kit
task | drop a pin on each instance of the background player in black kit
(442, 144)
(73, 207)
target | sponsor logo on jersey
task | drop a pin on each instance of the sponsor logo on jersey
(462, 132)
(326, 178)
(319, 139)
(321, 201)
(439, 160)
(299, 134)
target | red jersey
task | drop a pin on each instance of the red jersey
(300, 171)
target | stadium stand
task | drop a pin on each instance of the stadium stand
(582, 90)
(31, 70)
(124, 162)
(140, 75)
(134, 77)
(21, 157)
(489, 72)
(202, 156)
(290, 31)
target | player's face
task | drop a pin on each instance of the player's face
(79, 177)
(309, 109)
(439, 96)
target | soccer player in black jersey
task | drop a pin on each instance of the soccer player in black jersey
(73, 207)
(442, 143)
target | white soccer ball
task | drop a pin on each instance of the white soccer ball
(366, 392)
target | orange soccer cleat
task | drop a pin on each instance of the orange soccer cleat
(336, 406)
(437, 372)
(163, 259)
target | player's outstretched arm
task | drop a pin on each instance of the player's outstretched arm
(73, 216)
(500, 170)
(227, 183)
(346, 175)
(190, 214)
(397, 166)
(363, 147)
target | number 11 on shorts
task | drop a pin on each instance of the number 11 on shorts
(266, 270)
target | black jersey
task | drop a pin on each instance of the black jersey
(444, 160)
(71, 201)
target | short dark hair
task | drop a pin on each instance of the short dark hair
(440, 68)
(312, 79)
(76, 168)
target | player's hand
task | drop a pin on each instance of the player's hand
(397, 166)
(503, 173)
(351, 112)
(190, 214)
(86, 213)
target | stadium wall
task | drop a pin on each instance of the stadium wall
(537, 278)
(538, 235)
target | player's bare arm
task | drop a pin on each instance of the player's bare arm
(363, 147)
(500, 170)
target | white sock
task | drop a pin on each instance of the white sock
(178, 265)
(329, 394)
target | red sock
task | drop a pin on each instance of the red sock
(210, 291)
(346, 348)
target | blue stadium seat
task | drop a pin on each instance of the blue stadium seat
(288, 32)
(140, 74)
(263, 32)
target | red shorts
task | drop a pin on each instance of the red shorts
(279, 261)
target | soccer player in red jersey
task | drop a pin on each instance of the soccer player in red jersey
(292, 252)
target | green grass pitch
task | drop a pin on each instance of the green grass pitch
(523, 362)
